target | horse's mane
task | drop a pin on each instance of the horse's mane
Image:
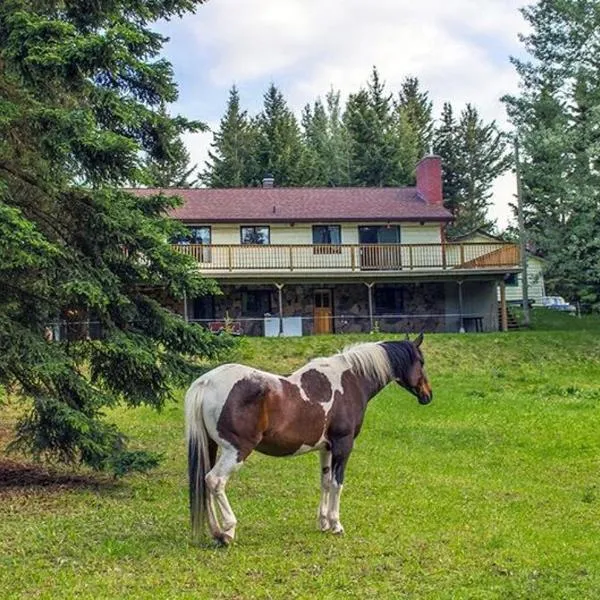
(370, 359)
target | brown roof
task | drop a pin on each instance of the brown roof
(301, 204)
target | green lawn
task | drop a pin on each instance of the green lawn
(492, 491)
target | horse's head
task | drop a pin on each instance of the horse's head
(408, 366)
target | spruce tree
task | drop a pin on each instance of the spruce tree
(171, 167)
(556, 116)
(374, 146)
(81, 86)
(279, 142)
(414, 124)
(474, 154)
(232, 158)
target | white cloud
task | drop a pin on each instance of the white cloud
(459, 50)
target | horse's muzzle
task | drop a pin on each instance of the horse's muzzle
(425, 398)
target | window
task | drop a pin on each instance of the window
(326, 238)
(258, 234)
(512, 280)
(379, 234)
(195, 235)
(256, 303)
(388, 301)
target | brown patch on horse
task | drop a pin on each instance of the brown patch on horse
(316, 386)
(349, 405)
(293, 422)
(243, 418)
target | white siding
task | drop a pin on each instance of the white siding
(535, 280)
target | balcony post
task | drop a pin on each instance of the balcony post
(353, 257)
(230, 257)
(503, 308)
(461, 328)
(291, 258)
(279, 287)
(370, 290)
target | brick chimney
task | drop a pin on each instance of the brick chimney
(429, 179)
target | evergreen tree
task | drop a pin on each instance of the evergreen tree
(232, 159)
(279, 144)
(171, 168)
(557, 117)
(325, 159)
(445, 145)
(415, 125)
(473, 154)
(374, 147)
(81, 87)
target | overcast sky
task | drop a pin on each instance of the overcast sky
(459, 50)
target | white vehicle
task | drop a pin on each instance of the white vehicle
(558, 303)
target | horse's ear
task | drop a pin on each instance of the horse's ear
(418, 340)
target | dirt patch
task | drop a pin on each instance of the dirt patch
(18, 477)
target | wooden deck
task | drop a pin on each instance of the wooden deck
(351, 257)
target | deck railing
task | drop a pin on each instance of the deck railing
(351, 257)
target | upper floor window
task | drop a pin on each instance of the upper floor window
(325, 238)
(195, 235)
(255, 234)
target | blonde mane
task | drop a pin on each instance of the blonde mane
(370, 359)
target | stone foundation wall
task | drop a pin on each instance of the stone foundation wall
(422, 307)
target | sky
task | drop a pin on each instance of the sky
(458, 49)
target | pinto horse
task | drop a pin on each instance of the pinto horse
(318, 407)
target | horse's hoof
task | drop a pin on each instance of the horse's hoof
(223, 540)
(337, 530)
(323, 525)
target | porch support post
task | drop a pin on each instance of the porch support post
(503, 309)
(279, 287)
(185, 306)
(461, 323)
(370, 289)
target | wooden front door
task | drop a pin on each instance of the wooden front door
(323, 311)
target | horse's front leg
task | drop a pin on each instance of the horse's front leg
(322, 514)
(340, 452)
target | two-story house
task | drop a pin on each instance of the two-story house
(294, 261)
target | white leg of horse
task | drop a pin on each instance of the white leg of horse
(334, 507)
(216, 480)
(340, 451)
(322, 518)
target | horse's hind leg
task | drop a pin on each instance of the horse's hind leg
(216, 481)
(322, 516)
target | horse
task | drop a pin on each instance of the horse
(321, 406)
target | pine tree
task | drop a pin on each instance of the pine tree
(474, 154)
(325, 160)
(80, 96)
(445, 144)
(414, 124)
(280, 144)
(374, 147)
(232, 158)
(557, 117)
(171, 168)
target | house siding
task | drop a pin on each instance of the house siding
(301, 233)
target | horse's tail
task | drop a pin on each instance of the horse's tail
(198, 457)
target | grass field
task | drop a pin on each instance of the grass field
(492, 491)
